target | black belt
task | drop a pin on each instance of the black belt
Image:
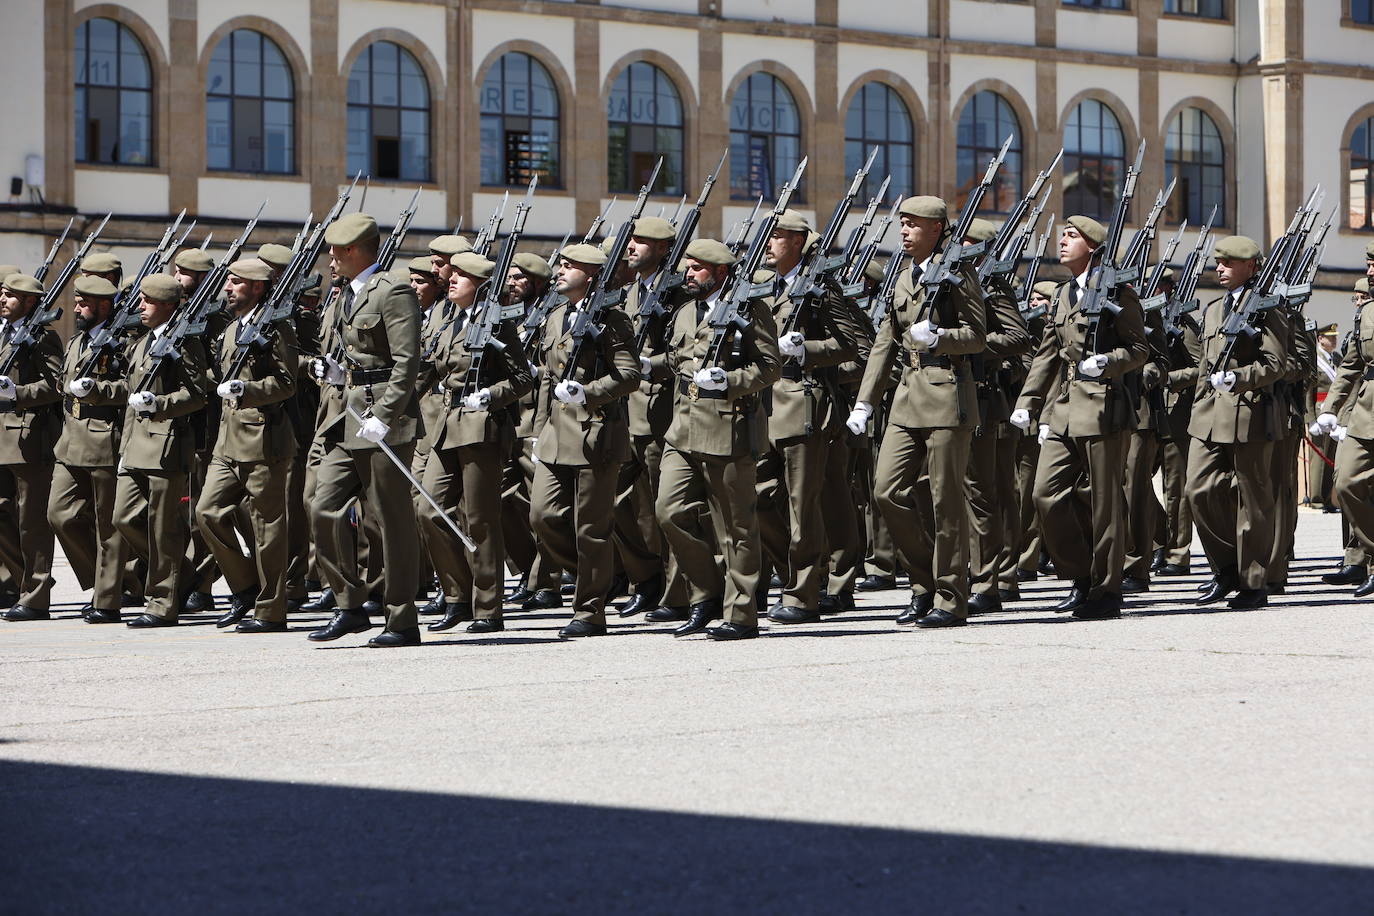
(793, 373)
(694, 391)
(81, 411)
(929, 360)
(356, 377)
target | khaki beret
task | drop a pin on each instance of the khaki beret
(533, 265)
(7, 269)
(399, 275)
(351, 229)
(250, 269)
(710, 251)
(981, 230)
(449, 245)
(274, 254)
(654, 228)
(924, 206)
(1089, 228)
(23, 283)
(470, 262)
(1167, 275)
(421, 266)
(160, 288)
(1240, 247)
(582, 253)
(1369, 251)
(1045, 288)
(194, 259)
(102, 262)
(793, 221)
(1331, 330)
(1362, 285)
(608, 243)
(95, 286)
(874, 271)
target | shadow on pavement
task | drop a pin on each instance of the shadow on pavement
(119, 841)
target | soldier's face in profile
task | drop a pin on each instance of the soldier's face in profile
(14, 306)
(920, 235)
(242, 294)
(1232, 273)
(1073, 247)
(784, 248)
(572, 277)
(702, 279)
(462, 288)
(188, 279)
(442, 268)
(1369, 268)
(517, 285)
(1038, 300)
(154, 314)
(90, 311)
(426, 289)
(644, 254)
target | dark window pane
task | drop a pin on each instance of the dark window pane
(984, 125)
(217, 134)
(247, 50)
(644, 116)
(519, 123)
(113, 95)
(357, 137)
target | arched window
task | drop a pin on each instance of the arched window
(1361, 186)
(984, 125)
(388, 114)
(250, 109)
(1094, 160)
(878, 117)
(1193, 153)
(765, 138)
(114, 95)
(519, 123)
(644, 121)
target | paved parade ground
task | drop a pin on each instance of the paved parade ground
(1177, 760)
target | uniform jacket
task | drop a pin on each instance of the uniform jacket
(651, 404)
(1007, 340)
(505, 372)
(597, 432)
(307, 329)
(91, 425)
(1185, 349)
(30, 424)
(257, 426)
(733, 425)
(936, 388)
(1073, 405)
(1248, 412)
(164, 440)
(1351, 395)
(331, 399)
(431, 397)
(804, 399)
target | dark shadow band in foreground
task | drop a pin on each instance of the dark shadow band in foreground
(98, 840)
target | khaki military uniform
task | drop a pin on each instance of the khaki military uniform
(1351, 399)
(1321, 475)
(844, 491)
(579, 450)
(1292, 392)
(1142, 450)
(379, 331)
(711, 457)
(1229, 482)
(303, 410)
(29, 428)
(1078, 489)
(1184, 350)
(249, 469)
(1028, 543)
(919, 478)
(432, 412)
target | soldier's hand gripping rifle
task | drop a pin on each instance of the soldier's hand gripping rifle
(1012, 239)
(26, 330)
(42, 272)
(1103, 294)
(481, 331)
(731, 313)
(669, 278)
(534, 321)
(1029, 312)
(587, 326)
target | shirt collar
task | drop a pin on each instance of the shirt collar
(358, 282)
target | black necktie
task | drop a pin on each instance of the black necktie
(346, 299)
(1073, 292)
(569, 318)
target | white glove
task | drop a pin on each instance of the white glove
(230, 390)
(1092, 366)
(1339, 433)
(1044, 434)
(534, 447)
(570, 392)
(858, 418)
(644, 367)
(373, 430)
(925, 334)
(143, 401)
(793, 345)
(6, 388)
(1222, 381)
(1020, 418)
(81, 387)
(712, 379)
(478, 400)
(536, 371)
(326, 370)
(1325, 423)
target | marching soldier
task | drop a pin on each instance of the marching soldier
(1184, 351)
(431, 297)
(1077, 386)
(1319, 473)
(880, 556)
(581, 438)
(1234, 424)
(29, 427)
(1031, 547)
(104, 264)
(252, 457)
(81, 505)
(712, 447)
(919, 479)
(1292, 394)
(1142, 507)
(379, 337)
(157, 450)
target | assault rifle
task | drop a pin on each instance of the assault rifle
(853, 281)
(1006, 248)
(1296, 288)
(887, 290)
(481, 332)
(487, 236)
(1104, 284)
(42, 272)
(1029, 312)
(587, 326)
(1182, 300)
(534, 321)
(741, 230)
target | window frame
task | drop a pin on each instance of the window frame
(659, 77)
(1223, 16)
(1354, 161)
(371, 107)
(554, 179)
(982, 154)
(261, 98)
(1182, 166)
(81, 95)
(741, 162)
(902, 185)
(1071, 157)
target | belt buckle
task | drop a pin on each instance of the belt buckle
(693, 391)
(76, 410)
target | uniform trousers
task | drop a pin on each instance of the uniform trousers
(1283, 481)
(154, 526)
(26, 540)
(1009, 508)
(919, 487)
(638, 542)
(1233, 506)
(1142, 507)
(368, 474)
(298, 547)
(791, 478)
(467, 481)
(1081, 502)
(1029, 542)
(259, 487)
(986, 534)
(728, 488)
(81, 513)
(840, 510)
(572, 513)
(1353, 493)
(533, 563)
(1178, 512)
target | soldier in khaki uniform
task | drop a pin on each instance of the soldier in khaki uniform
(29, 427)
(379, 332)
(804, 418)
(81, 504)
(582, 438)
(712, 447)
(252, 458)
(1184, 349)
(1292, 392)
(469, 442)
(104, 264)
(1030, 549)
(157, 450)
(1142, 450)
(1320, 474)
(880, 554)
(1234, 424)
(1353, 569)
(431, 297)
(919, 478)
(1077, 387)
